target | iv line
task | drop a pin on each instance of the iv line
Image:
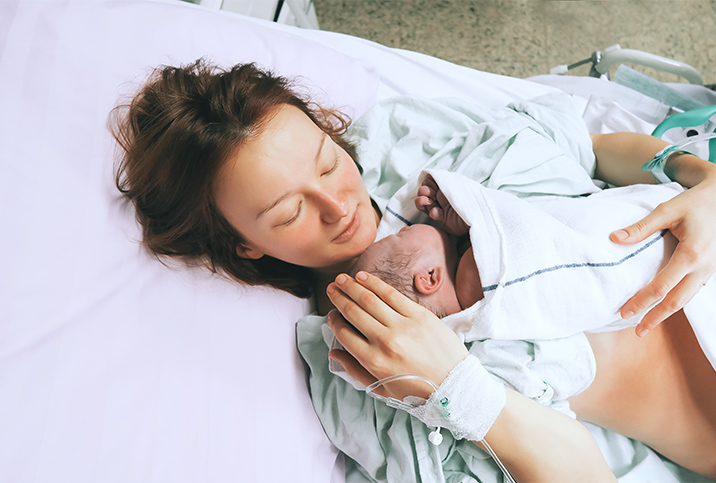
(435, 437)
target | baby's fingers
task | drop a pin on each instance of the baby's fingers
(427, 191)
(430, 208)
(430, 184)
(424, 203)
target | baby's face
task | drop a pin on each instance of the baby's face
(425, 239)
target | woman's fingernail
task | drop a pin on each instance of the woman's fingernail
(341, 278)
(621, 234)
(627, 314)
(362, 276)
(330, 289)
(641, 332)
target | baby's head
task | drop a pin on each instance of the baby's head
(420, 262)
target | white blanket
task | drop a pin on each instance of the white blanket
(549, 273)
(548, 268)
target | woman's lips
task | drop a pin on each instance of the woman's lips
(350, 230)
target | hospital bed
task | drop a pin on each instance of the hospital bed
(115, 366)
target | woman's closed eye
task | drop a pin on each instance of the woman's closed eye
(294, 217)
(334, 167)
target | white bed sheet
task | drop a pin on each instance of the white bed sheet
(113, 366)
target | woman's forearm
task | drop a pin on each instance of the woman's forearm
(536, 443)
(689, 170)
(621, 155)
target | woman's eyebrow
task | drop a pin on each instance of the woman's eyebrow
(288, 193)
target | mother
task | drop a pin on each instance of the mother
(234, 170)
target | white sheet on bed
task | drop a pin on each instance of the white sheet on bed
(114, 367)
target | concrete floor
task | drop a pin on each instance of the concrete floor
(528, 37)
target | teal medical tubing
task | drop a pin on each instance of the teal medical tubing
(692, 118)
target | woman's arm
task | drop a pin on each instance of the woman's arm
(388, 334)
(689, 216)
(536, 443)
(620, 157)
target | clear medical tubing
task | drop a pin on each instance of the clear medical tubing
(398, 404)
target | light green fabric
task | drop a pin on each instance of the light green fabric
(386, 444)
(525, 148)
(528, 149)
(397, 139)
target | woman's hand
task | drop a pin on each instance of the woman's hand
(387, 334)
(390, 334)
(690, 217)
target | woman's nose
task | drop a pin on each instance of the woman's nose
(333, 207)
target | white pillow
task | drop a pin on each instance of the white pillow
(114, 367)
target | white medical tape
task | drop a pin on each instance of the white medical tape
(467, 403)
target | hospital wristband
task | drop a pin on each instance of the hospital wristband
(467, 403)
(656, 165)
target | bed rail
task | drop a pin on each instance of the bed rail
(602, 60)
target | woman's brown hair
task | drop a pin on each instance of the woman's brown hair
(176, 134)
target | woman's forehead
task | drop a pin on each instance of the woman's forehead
(275, 160)
(289, 136)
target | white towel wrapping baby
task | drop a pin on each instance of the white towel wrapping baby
(548, 268)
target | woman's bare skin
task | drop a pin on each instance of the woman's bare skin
(680, 423)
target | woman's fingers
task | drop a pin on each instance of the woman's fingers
(641, 230)
(372, 298)
(687, 216)
(387, 333)
(398, 302)
(418, 341)
(345, 332)
(665, 281)
(347, 299)
(674, 286)
(659, 288)
(353, 367)
(360, 353)
(677, 297)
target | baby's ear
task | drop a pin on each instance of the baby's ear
(428, 281)
(248, 251)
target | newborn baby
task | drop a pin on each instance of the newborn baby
(548, 273)
(556, 247)
(434, 267)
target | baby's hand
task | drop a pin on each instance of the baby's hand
(431, 201)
